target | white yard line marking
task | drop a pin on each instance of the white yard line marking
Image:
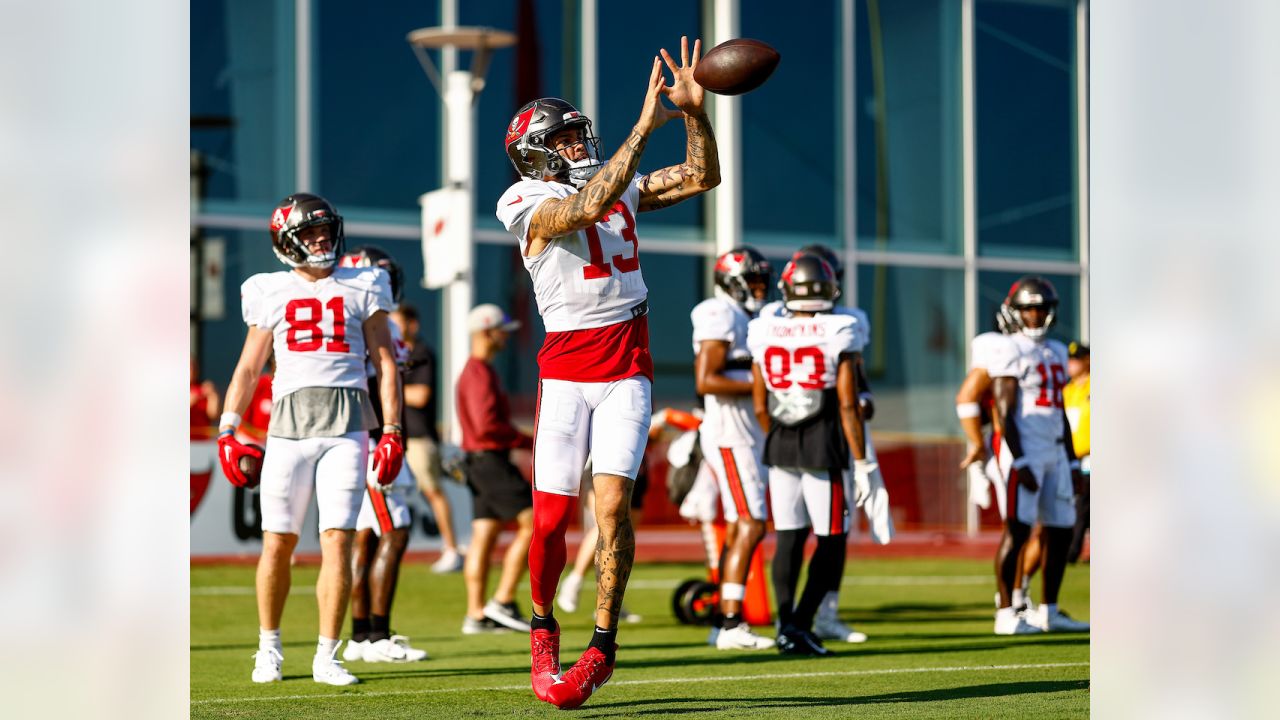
(660, 681)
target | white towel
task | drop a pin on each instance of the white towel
(879, 520)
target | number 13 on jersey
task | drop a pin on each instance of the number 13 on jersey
(599, 268)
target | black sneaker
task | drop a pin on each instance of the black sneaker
(794, 641)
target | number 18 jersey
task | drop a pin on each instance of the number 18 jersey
(317, 327)
(1041, 370)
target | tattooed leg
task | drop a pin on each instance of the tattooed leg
(615, 548)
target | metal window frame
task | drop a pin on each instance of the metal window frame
(724, 224)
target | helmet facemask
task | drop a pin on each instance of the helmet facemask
(323, 260)
(736, 270)
(294, 214)
(527, 137)
(1028, 292)
(1051, 312)
(576, 172)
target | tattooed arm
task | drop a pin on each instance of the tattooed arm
(559, 217)
(701, 168)
(697, 174)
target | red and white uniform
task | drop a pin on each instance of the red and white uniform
(595, 369)
(1041, 370)
(386, 508)
(317, 327)
(731, 439)
(318, 339)
(799, 358)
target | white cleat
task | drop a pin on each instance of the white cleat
(328, 669)
(507, 615)
(827, 628)
(1011, 622)
(567, 597)
(354, 651)
(450, 562)
(741, 638)
(1056, 621)
(266, 665)
(395, 649)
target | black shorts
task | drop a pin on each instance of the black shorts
(498, 490)
(816, 443)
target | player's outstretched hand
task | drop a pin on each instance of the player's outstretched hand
(654, 114)
(387, 458)
(685, 93)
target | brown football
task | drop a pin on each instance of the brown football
(252, 466)
(736, 66)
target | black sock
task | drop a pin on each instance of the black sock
(825, 568)
(730, 621)
(539, 622)
(604, 641)
(379, 627)
(359, 629)
(787, 560)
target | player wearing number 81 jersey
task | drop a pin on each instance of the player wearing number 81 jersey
(318, 320)
(575, 219)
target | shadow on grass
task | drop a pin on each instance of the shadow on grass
(870, 649)
(686, 706)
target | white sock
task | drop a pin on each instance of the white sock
(1019, 599)
(326, 647)
(269, 639)
(733, 591)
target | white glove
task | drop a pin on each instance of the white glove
(862, 470)
(979, 486)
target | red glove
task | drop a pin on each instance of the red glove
(387, 458)
(242, 464)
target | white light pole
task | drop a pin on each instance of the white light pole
(448, 243)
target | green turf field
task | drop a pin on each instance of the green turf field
(930, 654)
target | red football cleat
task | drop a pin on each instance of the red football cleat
(580, 681)
(544, 647)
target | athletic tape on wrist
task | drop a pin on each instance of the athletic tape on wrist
(968, 410)
(229, 419)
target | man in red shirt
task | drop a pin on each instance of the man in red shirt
(499, 492)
